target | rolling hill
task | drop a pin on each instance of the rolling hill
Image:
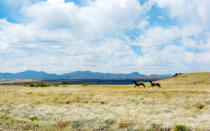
(75, 75)
(188, 78)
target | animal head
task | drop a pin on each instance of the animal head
(134, 81)
(150, 81)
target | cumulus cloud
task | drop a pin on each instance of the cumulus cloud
(186, 11)
(158, 35)
(59, 37)
(143, 24)
(174, 48)
(95, 20)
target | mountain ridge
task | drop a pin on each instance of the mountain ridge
(30, 74)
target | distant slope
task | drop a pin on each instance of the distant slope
(27, 75)
(15, 81)
(189, 78)
(99, 75)
(74, 75)
(77, 75)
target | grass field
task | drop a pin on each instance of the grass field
(182, 103)
(3, 81)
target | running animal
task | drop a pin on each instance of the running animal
(138, 83)
(154, 84)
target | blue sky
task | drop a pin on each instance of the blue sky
(147, 36)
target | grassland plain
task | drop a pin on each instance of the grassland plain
(182, 103)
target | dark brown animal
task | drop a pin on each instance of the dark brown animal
(154, 84)
(138, 83)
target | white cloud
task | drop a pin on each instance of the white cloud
(188, 11)
(110, 55)
(143, 24)
(92, 21)
(174, 48)
(3, 45)
(158, 35)
(60, 37)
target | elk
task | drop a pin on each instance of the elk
(154, 84)
(138, 83)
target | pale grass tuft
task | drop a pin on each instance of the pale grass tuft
(62, 124)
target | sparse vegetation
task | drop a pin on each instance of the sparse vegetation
(200, 105)
(110, 107)
(29, 93)
(180, 128)
(62, 124)
(123, 124)
(85, 84)
(40, 84)
(64, 83)
(177, 74)
(34, 118)
(102, 102)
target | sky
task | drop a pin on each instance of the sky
(116, 36)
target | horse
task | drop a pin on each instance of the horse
(154, 84)
(138, 83)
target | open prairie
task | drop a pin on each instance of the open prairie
(181, 103)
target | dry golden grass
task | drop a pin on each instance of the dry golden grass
(182, 100)
(17, 81)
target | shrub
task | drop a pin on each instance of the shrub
(64, 83)
(102, 102)
(5, 117)
(110, 121)
(29, 93)
(124, 124)
(200, 106)
(43, 84)
(36, 102)
(34, 118)
(68, 102)
(155, 126)
(180, 128)
(31, 84)
(84, 84)
(40, 84)
(176, 74)
(62, 124)
(55, 84)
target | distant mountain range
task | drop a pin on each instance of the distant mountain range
(77, 75)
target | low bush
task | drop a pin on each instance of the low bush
(84, 84)
(200, 106)
(34, 118)
(63, 124)
(180, 128)
(29, 93)
(102, 102)
(64, 83)
(40, 84)
(124, 124)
